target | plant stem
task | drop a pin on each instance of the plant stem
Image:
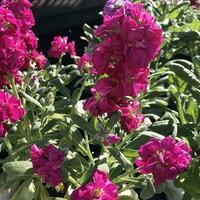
(88, 149)
(14, 89)
(73, 181)
(8, 145)
(81, 90)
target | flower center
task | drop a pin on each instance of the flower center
(140, 44)
(98, 96)
(97, 192)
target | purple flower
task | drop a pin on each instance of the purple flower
(100, 188)
(112, 5)
(111, 139)
(165, 159)
(47, 163)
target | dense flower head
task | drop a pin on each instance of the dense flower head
(100, 188)
(17, 40)
(47, 163)
(10, 108)
(8, 22)
(165, 158)
(130, 117)
(60, 46)
(111, 139)
(12, 53)
(129, 35)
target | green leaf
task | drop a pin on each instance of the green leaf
(118, 155)
(61, 87)
(173, 14)
(41, 192)
(24, 191)
(113, 120)
(190, 181)
(195, 93)
(171, 191)
(148, 191)
(184, 73)
(18, 168)
(83, 124)
(192, 109)
(31, 99)
(131, 154)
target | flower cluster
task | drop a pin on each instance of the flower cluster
(163, 158)
(100, 188)
(47, 163)
(60, 47)
(18, 43)
(129, 41)
(10, 110)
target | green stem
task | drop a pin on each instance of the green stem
(8, 145)
(88, 149)
(14, 89)
(181, 112)
(126, 139)
(73, 181)
(81, 90)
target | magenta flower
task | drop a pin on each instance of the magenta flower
(84, 61)
(165, 159)
(71, 49)
(100, 188)
(12, 54)
(47, 164)
(10, 108)
(130, 117)
(17, 40)
(101, 102)
(2, 130)
(39, 59)
(58, 47)
(111, 139)
(134, 32)
(8, 22)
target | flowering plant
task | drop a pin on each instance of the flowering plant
(121, 122)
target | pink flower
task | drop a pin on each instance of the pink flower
(136, 30)
(30, 40)
(84, 61)
(111, 139)
(130, 117)
(47, 164)
(165, 159)
(8, 22)
(71, 49)
(2, 130)
(10, 108)
(100, 188)
(39, 59)
(59, 47)
(12, 54)
(102, 101)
